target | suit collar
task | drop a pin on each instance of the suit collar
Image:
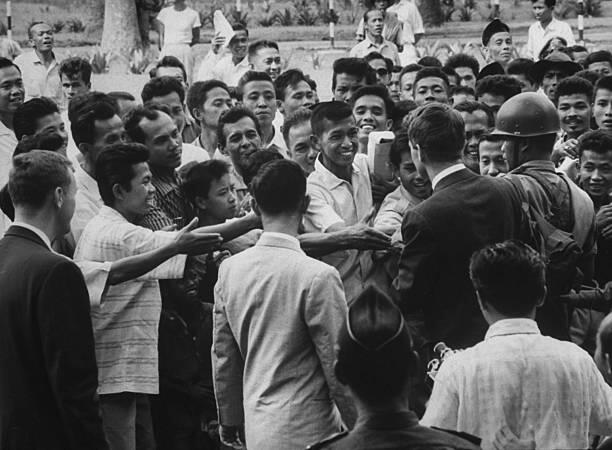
(455, 177)
(282, 240)
(25, 233)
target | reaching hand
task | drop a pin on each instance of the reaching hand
(361, 236)
(191, 242)
(232, 435)
(217, 43)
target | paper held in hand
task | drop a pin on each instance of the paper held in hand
(379, 147)
(222, 27)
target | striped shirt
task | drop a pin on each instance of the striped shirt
(170, 203)
(125, 323)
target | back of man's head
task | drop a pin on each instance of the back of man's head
(498, 85)
(25, 119)
(35, 176)
(279, 188)
(510, 277)
(84, 110)
(115, 166)
(439, 131)
(375, 351)
(356, 67)
(162, 86)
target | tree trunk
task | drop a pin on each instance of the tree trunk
(431, 10)
(120, 36)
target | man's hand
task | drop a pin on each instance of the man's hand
(217, 43)
(232, 435)
(564, 150)
(191, 242)
(362, 236)
(603, 220)
(380, 188)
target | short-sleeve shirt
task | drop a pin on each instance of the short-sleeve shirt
(38, 80)
(335, 201)
(178, 25)
(538, 36)
(386, 48)
(412, 22)
(125, 323)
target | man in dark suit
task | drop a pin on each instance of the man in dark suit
(48, 373)
(465, 212)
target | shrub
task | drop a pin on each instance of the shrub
(75, 25)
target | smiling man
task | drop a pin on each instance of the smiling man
(264, 56)
(259, 96)
(232, 65)
(297, 132)
(478, 119)
(372, 109)
(602, 103)
(497, 42)
(595, 176)
(39, 115)
(466, 67)
(39, 67)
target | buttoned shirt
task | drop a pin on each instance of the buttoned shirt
(446, 172)
(544, 390)
(125, 323)
(334, 201)
(385, 48)
(538, 36)
(170, 203)
(88, 202)
(39, 80)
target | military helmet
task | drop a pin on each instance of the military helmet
(526, 115)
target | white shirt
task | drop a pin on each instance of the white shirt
(125, 324)
(538, 36)
(8, 142)
(385, 48)
(193, 153)
(38, 80)
(88, 202)
(226, 71)
(446, 172)
(334, 201)
(412, 22)
(279, 141)
(544, 390)
(178, 25)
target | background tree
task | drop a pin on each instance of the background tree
(431, 10)
(120, 35)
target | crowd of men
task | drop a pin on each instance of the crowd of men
(224, 263)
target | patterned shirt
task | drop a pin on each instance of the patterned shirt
(125, 323)
(170, 203)
(544, 390)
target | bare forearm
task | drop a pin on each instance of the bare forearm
(135, 266)
(233, 229)
(321, 244)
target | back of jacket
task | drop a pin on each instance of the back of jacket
(465, 213)
(48, 374)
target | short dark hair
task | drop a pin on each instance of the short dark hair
(240, 27)
(496, 270)
(289, 78)
(463, 90)
(409, 69)
(71, 67)
(368, 11)
(503, 85)
(27, 114)
(439, 131)
(356, 67)
(328, 111)
(597, 141)
(548, 3)
(198, 92)
(603, 83)
(134, 117)
(378, 91)
(161, 86)
(35, 175)
(429, 61)
(433, 72)
(45, 140)
(450, 72)
(298, 117)
(589, 75)
(84, 110)
(33, 24)
(253, 75)
(521, 66)
(401, 110)
(598, 56)
(376, 357)
(574, 85)
(121, 95)
(279, 187)
(259, 44)
(5, 62)
(168, 61)
(401, 144)
(115, 165)
(256, 161)
(197, 179)
(464, 60)
(233, 115)
(375, 55)
(471, 106)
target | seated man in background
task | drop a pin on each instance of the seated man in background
(536, 385)
(376, 360)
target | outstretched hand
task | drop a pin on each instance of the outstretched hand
(192, 242)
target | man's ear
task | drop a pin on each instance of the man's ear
(201, 203)
(197, 114)
(281, 106)
(58, 196)
(255, 207)
(84, 148)
(540, 302)
(305, 203)
(118, 191)
(315, 142)
(389, 124)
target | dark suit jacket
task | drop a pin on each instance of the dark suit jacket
(465, 213)
(48, 372)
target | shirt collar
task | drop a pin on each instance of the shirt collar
(374, 44)
(4, 130)
(508, 327)
(446, 172)
(275, 239)
(37, 231)
(329, 179)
